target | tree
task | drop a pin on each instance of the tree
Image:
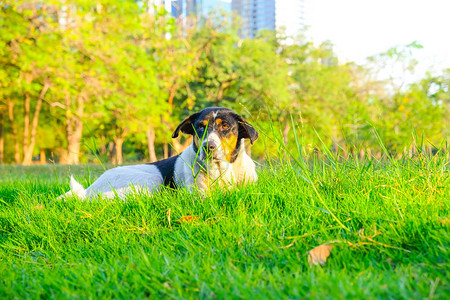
(26, 42)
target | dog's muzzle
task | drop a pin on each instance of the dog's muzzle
(210, 150)
(209, 147)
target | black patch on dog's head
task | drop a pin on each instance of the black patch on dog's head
(246, 131)
(186, 126)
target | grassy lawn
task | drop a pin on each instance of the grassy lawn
(388, 222)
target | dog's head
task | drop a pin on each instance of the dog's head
(217, 132)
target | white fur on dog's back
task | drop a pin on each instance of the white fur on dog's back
(125, 180)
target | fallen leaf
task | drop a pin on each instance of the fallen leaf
(38, 207)
(444, 221)
(186, 219)
(319, 255)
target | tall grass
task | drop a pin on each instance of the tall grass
(388, 220)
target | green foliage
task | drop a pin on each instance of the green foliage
(116, 73)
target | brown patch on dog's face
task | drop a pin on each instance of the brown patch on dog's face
(229, 145)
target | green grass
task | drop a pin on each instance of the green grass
(389, 223)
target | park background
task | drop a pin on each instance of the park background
(87, 81)
(353, 156)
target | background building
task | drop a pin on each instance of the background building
(287, 15)
(270, 14)
(200, 8)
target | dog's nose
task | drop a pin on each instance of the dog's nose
(209, 147)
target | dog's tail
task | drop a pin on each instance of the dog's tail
(76, 189)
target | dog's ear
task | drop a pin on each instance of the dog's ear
(187, 126)
(246, 131)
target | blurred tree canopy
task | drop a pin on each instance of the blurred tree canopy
(86, 80)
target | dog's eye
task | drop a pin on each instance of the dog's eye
(225, 126)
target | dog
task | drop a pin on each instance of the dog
(216, 156)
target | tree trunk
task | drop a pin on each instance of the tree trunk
(102, 149)
(2, 140)
(345, 153)
(286, 131)
(119, 157)
(111, 152)
(62, 154)
(42, 157)
(151, 144)
(28, 144)
(179, 147)
(362, 154)
(74, 131)
(172, 91)
(26, 125)
(166, 150)
(165, 144)
(14, 132)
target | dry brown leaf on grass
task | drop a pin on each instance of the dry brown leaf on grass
(38, 207)
(444, 221)
(187, 219)
(319, 255)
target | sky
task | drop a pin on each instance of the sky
(361, 28)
